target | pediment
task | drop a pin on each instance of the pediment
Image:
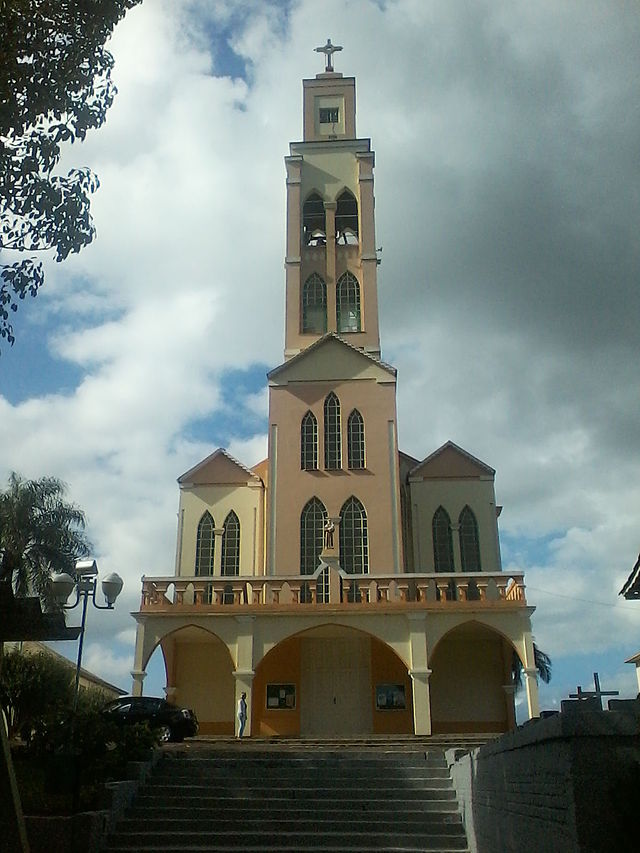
(218, 469)
(451, 462)
(331, 359)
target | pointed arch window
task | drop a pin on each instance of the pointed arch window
(204, 545)
(314, 227)
(309, 442)
(347, 218)
(332, 433)
(231, 546)
(469, 541)
(312, 521)
(348, 303)
(314, 305)
(355, 440)
(442, 541)
(354, 539)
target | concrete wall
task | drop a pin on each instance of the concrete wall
(375, 486)
(219, 500)
(565, 784)
(454, 495)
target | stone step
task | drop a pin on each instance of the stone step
(267, 796)
(396, 811)
(264, 797)
(251, 775)
(239, 840)
(447, 824)
(373, 759)
(212, 847)
(322, 782)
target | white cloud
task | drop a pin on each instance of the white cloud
(506, 198)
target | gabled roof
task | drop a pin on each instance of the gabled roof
(450, 461)
(218, 468)
(331, 339)
(631, 589)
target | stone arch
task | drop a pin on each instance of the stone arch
(199, 670)
(331, 680)
(470, 682)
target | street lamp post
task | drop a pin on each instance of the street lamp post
(85, 584)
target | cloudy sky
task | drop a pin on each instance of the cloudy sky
(507, 203)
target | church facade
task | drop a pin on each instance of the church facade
(346, 587)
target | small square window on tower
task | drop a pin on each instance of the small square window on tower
(328, 115)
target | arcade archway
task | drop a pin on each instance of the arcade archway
(470, 681)
(331, 681)
(200, 676)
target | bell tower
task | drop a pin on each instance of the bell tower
(331, 262)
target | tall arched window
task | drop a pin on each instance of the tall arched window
(332, 430)
(204, 545)
(231, 545)
(354, 540)
(469, 541)
(442, 541)
(314, 305)
(348, 303)
(347, 218)
(314, 228)
(309, 442)
(312, 521)
(355, 440)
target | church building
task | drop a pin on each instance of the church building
(344, 586)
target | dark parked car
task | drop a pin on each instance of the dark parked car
(172, 723)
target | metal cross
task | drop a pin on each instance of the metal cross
(598, 693)
(328, 49)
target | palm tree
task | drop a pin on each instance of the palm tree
(40, 533)
(542, 662)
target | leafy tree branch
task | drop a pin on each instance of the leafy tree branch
(55, 86)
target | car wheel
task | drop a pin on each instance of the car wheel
(164, 734)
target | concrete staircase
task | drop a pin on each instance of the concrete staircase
(296, 796)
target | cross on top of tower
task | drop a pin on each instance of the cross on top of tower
(328, 49)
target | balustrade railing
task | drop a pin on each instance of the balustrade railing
(430, 590)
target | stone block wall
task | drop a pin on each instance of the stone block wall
(565, 784)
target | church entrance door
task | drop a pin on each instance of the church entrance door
(335, 691)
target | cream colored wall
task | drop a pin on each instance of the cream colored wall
(329, 172)
(325, 87)
(245, 501)
(453, 495)
(372, 486)
(204, 680)
(467, 679)
(393, 628)
(333, 362)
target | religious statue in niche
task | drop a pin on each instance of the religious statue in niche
(329, 530)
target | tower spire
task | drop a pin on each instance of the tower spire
(328, 49)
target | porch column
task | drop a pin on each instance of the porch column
(509, 694)
(138, 672)
(138, 676)
(244, 672)
(419, 673)
(531, 677)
